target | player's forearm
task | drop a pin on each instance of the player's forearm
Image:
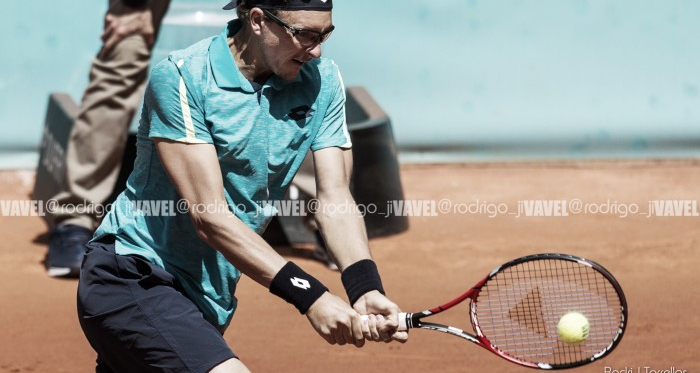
(196, 174)
(254, 257)
(343, 228)
(240, 245)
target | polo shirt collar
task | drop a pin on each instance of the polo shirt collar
(224, 68)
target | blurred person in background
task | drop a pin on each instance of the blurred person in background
(98, 137)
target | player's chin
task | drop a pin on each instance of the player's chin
(291, 70)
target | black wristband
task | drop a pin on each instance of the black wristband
(297, 287)
(360, 278)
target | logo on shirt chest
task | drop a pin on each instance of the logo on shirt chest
(300, 112)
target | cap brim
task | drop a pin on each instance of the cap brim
(231, 5)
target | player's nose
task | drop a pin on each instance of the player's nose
(314, 52)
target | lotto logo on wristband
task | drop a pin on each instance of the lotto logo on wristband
(289, 280)
(300, 283)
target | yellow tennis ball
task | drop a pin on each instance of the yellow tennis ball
(573, 328)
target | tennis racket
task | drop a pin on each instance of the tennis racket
(515, 311)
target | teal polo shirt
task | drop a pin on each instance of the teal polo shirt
(261, 134)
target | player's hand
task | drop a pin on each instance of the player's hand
(335, 321)
(121, 21)
(383, 318)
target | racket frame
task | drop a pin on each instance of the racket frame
(413, 320)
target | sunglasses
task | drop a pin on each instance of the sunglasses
(307, 38)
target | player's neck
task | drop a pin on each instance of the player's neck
(247, 54)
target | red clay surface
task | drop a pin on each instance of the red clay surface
(656, 259)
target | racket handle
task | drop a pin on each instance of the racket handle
(403, 324)
(403, 316)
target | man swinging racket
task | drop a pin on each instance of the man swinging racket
(226, 124)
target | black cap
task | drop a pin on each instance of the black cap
(289, 4)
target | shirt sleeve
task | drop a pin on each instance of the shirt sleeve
(334, 129)
(171, 109)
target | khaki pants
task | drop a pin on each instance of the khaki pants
(96, 144)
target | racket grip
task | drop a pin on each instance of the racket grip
(403, 316)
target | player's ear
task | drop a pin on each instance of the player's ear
(255, 19)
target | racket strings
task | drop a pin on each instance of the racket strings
(519, 308)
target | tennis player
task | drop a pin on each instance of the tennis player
(226, 124)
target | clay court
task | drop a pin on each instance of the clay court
(655, 259)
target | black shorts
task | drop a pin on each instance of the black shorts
(136, 319)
